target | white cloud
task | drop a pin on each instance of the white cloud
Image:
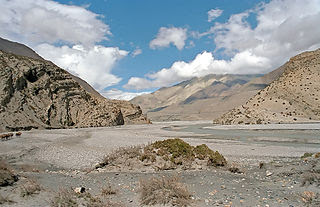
(136, 52)
(166, 36)
(92, 64)
(203, 64)
(121, 95)
(284, 28)
(44, 23)
(39, 21)
(213, 14)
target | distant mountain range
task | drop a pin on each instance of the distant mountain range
(204, 98)
(35, 93)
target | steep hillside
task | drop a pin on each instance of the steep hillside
(294, 97)
(38, 94)
(202, 98)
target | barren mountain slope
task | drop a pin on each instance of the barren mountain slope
(36, 93)
(294, 97)
(201, 98)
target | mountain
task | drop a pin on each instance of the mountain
(293, 97)
(35, 93)
(206, 97)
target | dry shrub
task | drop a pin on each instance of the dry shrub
(64, 198)
(5, 137)
(108, 191)
(234, 168)
(317, 155)
(5, 199)
(7, 176)
(123, 152)
(163, 191)
(310, 178)
(310, 198)
(30, 188)
(68, 198)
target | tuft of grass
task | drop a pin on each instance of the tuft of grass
(7, 176)
(30, 188)
(164, 191)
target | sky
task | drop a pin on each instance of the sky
(125, 48)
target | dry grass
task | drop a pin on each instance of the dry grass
(64, 198)
(7, 176)
(310, 178)
(310, 198)
(31, 187)
(5, 199)
(163, 191)
(235, 168)
(5, 137)
(68, 198)
(108, 191)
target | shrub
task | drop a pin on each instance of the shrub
(310, 198)
(306, 155)
(7, 176)
(30, 188)
(5, 199)
(166, 154)
(163, 191)
(108, 191)
(64, 198)
(175, 147)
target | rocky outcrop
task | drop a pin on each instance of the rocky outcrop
(293, 97)
(36, 93)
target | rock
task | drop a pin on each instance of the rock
(37, 94)
(268, 173)
(80, 190)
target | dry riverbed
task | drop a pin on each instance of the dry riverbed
(271, 170)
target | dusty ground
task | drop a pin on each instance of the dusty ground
(61, 158)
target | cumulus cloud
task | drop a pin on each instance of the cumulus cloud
(39, 21)
(92, 64)
(121, 95)
(203, 64)
(213, 14)
(284, 29)
(166, 36)
(44, 24)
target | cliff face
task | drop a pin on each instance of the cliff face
(294, 97)
(36, 93)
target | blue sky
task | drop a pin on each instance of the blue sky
(127, 47)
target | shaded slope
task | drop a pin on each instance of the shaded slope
(38, 94)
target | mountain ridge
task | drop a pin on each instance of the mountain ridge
(293, 97)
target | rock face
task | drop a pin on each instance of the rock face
(293, 97)
(207, 97)
(36, 93)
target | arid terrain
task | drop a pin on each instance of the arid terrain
(264, 165)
